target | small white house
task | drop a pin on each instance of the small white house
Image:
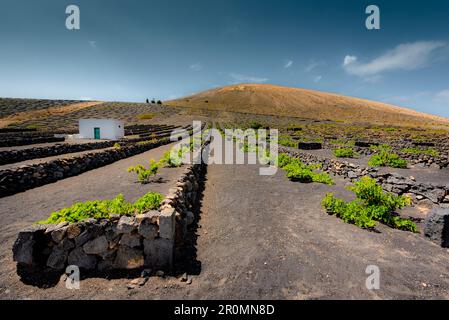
(104, 129)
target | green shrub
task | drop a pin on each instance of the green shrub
(104, 208)
(150, 201)
(429, 151)
(322, 177)
(255, 125)
(173, 158)
(386, 159)
(34, 126)
(283, 160)
(371, 204)
(143, 143)
(344, 153)
(298, 171)
(352, 212)
(117, 146)
(286, 141)
(144, 174)
(146, 116)
(342, 143)
(381, 147)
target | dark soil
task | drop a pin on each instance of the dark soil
(260, 237)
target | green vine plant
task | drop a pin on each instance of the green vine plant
(144, 174)
(345, 153)
(372, 204)
(299, 171)
(387, 159)
(173, 158)
(104, 208)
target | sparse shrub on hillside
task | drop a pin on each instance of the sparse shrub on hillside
(295, 127)
(371, 204)
(159, 102)
(386, 159)
(429, 151)
(311, 139)
(104, 208)
(117, 146)
(255, 125)
(381, 147)
(342, 143)
(34, 127)
(146, 116)
(345, 153)
(286, 141)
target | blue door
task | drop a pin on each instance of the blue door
(97, 133)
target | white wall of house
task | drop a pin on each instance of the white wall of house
(110, 129)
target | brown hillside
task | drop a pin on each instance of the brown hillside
(44, 113)
(310, 104)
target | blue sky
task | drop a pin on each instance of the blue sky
(131, 50)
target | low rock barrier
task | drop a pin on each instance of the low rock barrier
(149, 240)
(27, 177)
(23, 141)
(13, 156)
(391, 182)
(421, 160)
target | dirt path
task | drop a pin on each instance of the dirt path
(22, 209)
(266, 237)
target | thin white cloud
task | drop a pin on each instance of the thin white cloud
(243, 78)
(442, 97)
(93, 44)
(196, 67)
(317, 79)
(406, 56)
(312, 65)
(288, 63)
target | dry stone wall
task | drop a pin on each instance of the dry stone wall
(391, 182)
(148, 240)
(27, 177)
